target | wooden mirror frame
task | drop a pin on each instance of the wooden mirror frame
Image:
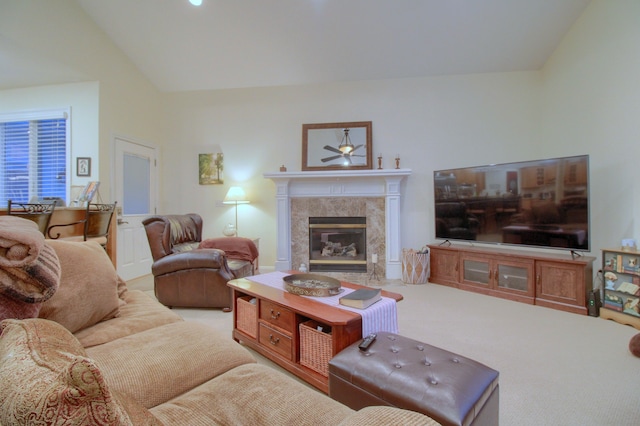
(316, 136)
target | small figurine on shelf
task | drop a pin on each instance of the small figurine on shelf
(610, 264)
(397, 161)
(610, 278)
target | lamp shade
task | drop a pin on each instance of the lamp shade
(235, 195)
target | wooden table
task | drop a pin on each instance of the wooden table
(271, 325)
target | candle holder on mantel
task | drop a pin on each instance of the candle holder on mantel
(380, 161)
(397, 161)
(374, 274)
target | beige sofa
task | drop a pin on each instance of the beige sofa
(103, 354)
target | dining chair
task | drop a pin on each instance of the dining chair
(40, 213)
(96, 224)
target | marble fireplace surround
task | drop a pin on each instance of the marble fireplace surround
(376, 194)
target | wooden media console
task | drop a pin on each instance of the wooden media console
(558, 281)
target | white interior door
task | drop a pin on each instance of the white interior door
(135, 190)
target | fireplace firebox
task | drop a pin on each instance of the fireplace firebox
(338, 244)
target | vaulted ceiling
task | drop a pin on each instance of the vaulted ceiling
(250, 43)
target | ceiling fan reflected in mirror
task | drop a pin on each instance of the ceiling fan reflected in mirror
(344, 150)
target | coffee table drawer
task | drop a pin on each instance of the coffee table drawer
(278, 316)
(276, 341)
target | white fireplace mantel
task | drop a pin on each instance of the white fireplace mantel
(348, 183)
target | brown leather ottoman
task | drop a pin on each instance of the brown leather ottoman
(405, 373)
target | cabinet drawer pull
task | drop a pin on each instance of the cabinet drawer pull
(274, 314)
(274, 341)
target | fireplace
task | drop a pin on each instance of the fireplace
(374, 194)
(338, 244)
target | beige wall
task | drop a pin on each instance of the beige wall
(82, 99)
(591, 100)
(584, 101)
(122, 102)
(431, 122)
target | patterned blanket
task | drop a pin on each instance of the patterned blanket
(29, 268)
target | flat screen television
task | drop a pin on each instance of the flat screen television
(541, 203)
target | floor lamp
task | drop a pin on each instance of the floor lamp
(236, 196)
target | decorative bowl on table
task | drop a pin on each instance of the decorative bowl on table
(312, 285)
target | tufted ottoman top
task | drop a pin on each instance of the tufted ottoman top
(409, 374)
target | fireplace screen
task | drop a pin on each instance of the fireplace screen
(338, 244)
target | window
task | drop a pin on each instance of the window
(33, 155)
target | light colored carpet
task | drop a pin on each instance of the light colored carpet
(556, 368)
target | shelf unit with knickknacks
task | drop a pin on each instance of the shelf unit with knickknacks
(621, 276)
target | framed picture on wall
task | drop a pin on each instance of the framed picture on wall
(210, 169)
(83, 166)
(88, 193)
(336, 146)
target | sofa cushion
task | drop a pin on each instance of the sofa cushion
(252, 394)
(177, 357)
(47, 378)
(138, 415)
(378, 415)
(141, 312)
(88, 291)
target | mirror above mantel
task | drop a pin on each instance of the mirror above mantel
(337, 146)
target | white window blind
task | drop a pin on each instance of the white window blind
(34, 155)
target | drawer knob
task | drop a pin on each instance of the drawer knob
(274, 340)
(274, 314)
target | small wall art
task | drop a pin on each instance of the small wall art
(210, 169)
(83, 166)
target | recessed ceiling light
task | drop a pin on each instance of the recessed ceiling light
(196, 2)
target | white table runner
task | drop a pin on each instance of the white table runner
(381, 316)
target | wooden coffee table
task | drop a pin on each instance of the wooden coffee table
(271, 325)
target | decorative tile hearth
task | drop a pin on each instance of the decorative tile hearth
(375, 194)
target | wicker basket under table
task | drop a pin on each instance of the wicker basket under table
(247, 316)
(315, 347)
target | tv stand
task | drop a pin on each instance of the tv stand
(558, 281)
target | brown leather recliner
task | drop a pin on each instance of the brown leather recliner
(183, 274)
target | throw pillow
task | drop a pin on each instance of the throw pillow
(88, 291)
(47, 378)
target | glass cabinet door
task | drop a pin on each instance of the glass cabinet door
(476, 271)
(512, 277)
